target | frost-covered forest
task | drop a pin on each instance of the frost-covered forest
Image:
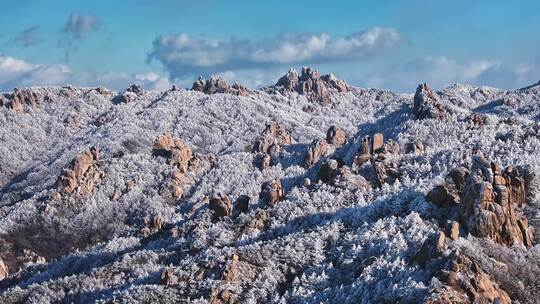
(115, 232)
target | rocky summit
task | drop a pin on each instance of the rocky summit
(307, 191)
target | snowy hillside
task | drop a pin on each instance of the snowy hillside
(141, 220)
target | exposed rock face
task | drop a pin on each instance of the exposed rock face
(175, 149)
(316, 151)
(181, 156)
(231, 273)
(271, 192)
(20, 97)
(25, 96)
(346, 179)
(433, 247)
(221, 205)
(216, 85)
(3, 270)
(311, 84)
(130, 94)
(490, 202)
(336, 136)
(82, 174)
(465, 282)
(426, 104)
(272, 139)
(452, 229)
(443, 196)
(374, 149)
(370, 145)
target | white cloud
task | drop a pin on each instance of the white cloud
(185, 55)
(442, 71)
(18, 73)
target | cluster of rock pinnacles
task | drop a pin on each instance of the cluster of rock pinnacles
(483, 200)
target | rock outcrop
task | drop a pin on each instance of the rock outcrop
(221, 205)
(188, 165)
(311, 84)
(3, 270)
(329, 170)
(426, 104)
(316, 150)
(272, 139)
(374, 149)
(216, 85)
(491, 201)
(20, 97)
(370, 145)
(82, 174)
(256, 223)
(130, 94)
(463, 282)
(271, 192)
(174, 149)
(168, 278)
(336, 136)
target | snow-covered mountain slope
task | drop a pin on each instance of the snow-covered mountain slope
(353, 241)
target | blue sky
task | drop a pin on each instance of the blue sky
(386, 44)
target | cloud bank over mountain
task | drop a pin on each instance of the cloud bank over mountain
(183, 54)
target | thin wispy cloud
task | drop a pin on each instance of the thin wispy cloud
(442, 71)
(77, 28)
(28, 37)
(183, 54)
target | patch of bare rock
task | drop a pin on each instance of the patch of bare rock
(270, 143)
(188, 165)
(81, 176)
(130, 94)
(215, 85)
(21, 97)
(378, 153)
(311, 84)
(426, 104)
(489, 200)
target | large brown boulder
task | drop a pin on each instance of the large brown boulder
(81, 175)
(336, 136)
(3, 270)
(315, 152)
(370, 146)
(272, 139)
(175, 149)
(221, 205)
(271, 192)
(491, 203)
(311, 84)
(426, 104)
